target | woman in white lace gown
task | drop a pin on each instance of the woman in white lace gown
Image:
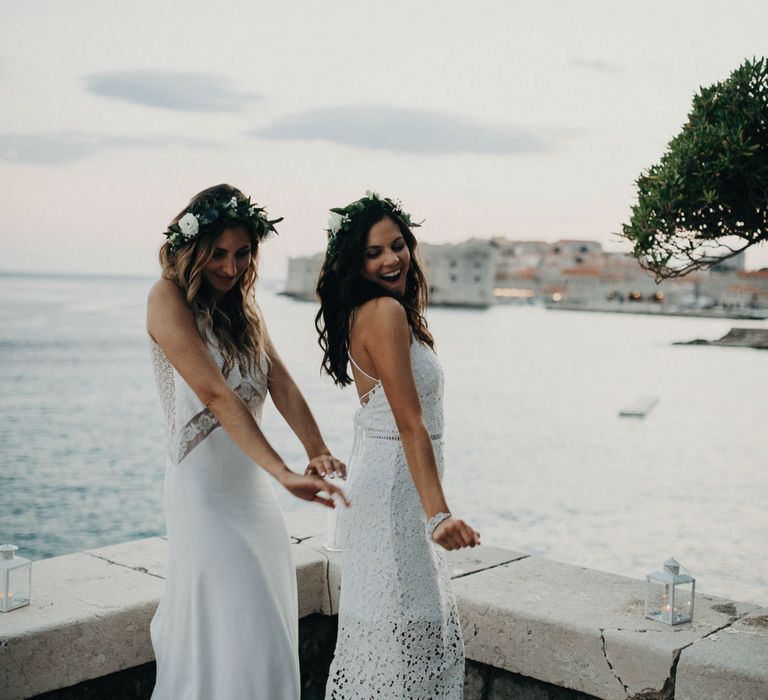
(399, 633)
(227, 624)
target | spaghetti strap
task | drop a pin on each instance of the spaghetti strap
(377, 382)
(361, 370)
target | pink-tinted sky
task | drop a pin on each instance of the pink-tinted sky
(524, 119)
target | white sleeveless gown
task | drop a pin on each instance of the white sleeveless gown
(227, 624)
(399, 631)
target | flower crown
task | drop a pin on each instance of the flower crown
(211, 209)
(341, 217)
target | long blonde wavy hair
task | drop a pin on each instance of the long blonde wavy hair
(234, 320)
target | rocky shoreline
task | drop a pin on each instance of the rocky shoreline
(756, 338)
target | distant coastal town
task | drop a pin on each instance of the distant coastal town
(567, 274)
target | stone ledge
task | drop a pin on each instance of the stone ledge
(731, 663)
(88, 618)
(571, 627)
(577, 628)
(565, 625)
(304, 526)
(90, 614)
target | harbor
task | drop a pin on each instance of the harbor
(585, 189)
(569, 275)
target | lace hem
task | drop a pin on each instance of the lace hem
(406, 659)
(386, 435)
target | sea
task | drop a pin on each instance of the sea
(538, 458)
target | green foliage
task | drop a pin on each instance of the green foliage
(212, 209)
(342, 217)
(711, 186)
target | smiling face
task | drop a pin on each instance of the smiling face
(231, 257)
(387, 259)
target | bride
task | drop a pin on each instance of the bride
(227, 623)
(399, 633)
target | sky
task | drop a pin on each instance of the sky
(525, 119)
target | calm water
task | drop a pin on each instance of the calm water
(537, 457)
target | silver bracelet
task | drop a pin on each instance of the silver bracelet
(435, 520)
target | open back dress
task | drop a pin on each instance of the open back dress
(399, 633)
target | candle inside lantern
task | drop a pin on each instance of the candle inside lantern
(669, 594)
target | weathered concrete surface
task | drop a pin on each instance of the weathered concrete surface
(463, 562)
(574, 627)
(460, 563)
(549, 630)
(90, 614)
(308, 526)
(333, 573)
(148, 556)
(312, 580)
(87, 618)
(731, 664)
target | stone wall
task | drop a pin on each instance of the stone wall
(459, 274)
(317, 636)
(533, 628)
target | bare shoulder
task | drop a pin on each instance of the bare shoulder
(167, 310)
(382, 324)
(164, 292)
(383, 312)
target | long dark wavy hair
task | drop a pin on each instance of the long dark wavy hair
(235, 319)
(341, 289)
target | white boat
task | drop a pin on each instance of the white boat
(640, 407)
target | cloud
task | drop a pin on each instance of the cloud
(596, 66)
(404, 131)
(64, 148)
(183, 92)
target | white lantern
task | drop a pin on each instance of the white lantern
(15, 579)
(669, 595)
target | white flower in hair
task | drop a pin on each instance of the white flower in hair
(335, 222)
(189, 225)
(232, 203)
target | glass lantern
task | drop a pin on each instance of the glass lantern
(669, 595)
(15, 579)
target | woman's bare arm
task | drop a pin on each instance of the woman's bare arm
(171, 323)
(383, 329)
(291, 404)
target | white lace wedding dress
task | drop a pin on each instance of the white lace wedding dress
(227, 624)
(399, 632)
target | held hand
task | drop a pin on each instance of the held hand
(313, 488)
(326, 465)
(454, 533)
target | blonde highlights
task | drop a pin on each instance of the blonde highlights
(234, 320)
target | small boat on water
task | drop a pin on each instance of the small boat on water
(640, 407)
